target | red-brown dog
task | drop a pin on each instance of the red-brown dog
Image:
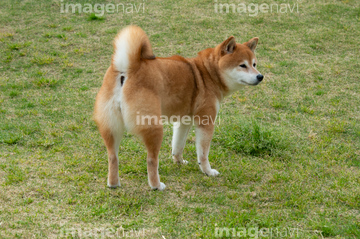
(139, 86)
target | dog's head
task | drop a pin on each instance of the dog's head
(237, 63)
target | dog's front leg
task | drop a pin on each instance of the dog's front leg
(204, 134)
(178, 142)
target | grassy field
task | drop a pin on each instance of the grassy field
(288, 150)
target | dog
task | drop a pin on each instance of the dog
(139, 84)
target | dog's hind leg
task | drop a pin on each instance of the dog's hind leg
(141, 114)
(110, 123)
(152, 137)
(178, 141)
(112, 142)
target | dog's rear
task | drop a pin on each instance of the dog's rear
(131, 47)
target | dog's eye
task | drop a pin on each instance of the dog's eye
(243, 65)
(254, 65)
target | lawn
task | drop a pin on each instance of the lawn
(288, 150)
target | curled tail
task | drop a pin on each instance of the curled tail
(131, 46)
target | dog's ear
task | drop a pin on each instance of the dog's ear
(228, 46)
(252, 43)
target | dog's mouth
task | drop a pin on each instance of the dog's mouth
(250, 84)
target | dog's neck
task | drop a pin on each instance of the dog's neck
(210, 75)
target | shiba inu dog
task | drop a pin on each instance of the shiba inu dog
(139, 84)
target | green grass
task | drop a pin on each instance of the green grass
(288, 150)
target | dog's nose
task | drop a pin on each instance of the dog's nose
(260, 77)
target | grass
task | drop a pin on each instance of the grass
(288, 150)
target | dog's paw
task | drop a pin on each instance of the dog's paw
(179, 160)
(160, 188)
(115, 185)
(212, 172)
